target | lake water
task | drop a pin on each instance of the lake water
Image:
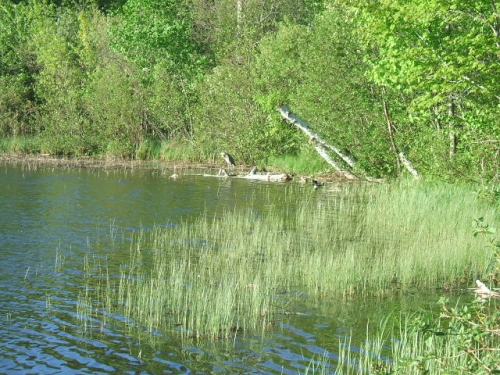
(50, 218)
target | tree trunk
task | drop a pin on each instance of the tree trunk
(319, 144)
(390, 130)
(453, 136)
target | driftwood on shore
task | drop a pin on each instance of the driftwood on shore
(254, 175)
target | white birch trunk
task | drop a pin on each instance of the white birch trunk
(320, 144)
(408, 165)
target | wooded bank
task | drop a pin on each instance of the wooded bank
(146, 79)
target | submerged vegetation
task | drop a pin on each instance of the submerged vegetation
(215, 278)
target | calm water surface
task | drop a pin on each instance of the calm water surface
(50, 218)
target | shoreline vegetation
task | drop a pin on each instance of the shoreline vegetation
(166, 166)
(91, 161)
(185, 80)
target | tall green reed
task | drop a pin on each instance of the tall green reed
(220, 276)
(205, 279)
(394, 236)
(461, 339)
(458, 340)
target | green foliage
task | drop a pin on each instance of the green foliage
(169, 102)
(440, 51)
(149, 32)
(233, 112)
(279, 67)
(319, 72)
(372, 78)
(490, 193)
(232, 119)
(443, 59)
(222, 27)
(53, 38)
(14, 107)
(155, 37)
(114, 100)
(16, 64)
(11, 35)
(53, 42)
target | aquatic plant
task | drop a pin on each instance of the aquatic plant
(462, 339)
(218, 277)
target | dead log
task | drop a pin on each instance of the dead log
(319, 144)
(401, 158)
(253, 175)
(408, 165)
(281, 177)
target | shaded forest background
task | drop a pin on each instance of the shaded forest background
(189, 78)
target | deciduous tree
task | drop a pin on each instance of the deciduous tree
(443, 56)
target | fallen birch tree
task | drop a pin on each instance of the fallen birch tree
(406, 163)
(321, 145)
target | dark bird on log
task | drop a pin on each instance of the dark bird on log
(229, 159)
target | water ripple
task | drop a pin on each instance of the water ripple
(53, 222)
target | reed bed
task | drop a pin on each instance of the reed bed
(443, 345)
(391, 237)
(217, 277)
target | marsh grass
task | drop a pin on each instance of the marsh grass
(388, 238)
(462, 339)
(199, 280)
(441, 344)
(218, 277)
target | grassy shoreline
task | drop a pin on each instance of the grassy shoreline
(92, 161)
(297, 167)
